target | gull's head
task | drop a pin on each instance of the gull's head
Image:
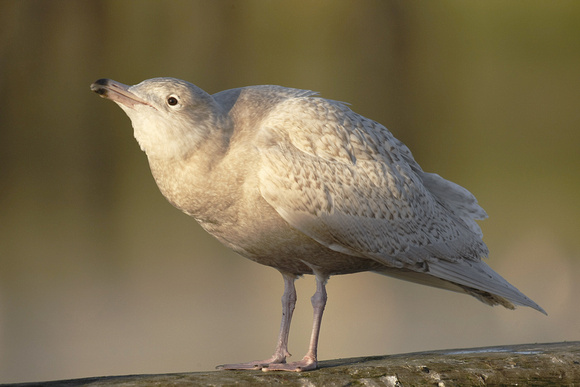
(170, 117)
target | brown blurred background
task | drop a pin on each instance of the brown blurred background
(99, 275)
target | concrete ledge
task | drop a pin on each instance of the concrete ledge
(527, 364)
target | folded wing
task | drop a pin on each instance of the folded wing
(346, 182)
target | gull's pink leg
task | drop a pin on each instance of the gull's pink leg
(281, 352)
(310, 361)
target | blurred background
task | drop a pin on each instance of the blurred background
(99, 275)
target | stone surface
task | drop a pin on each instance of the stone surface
(528, 364)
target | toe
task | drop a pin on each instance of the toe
(297, 366)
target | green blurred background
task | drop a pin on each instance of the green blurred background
(99, 275)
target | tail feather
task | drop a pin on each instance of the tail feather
(472, 277)
(479, 280)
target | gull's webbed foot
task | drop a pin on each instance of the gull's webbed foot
(305, 364)
(276, 359)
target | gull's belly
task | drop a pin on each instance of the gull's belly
(264, 237)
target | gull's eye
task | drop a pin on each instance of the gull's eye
(172, 101)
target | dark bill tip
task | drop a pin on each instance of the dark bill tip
(117, 92)
(102, 82)
(100, 86)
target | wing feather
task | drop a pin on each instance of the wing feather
(345, 181)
